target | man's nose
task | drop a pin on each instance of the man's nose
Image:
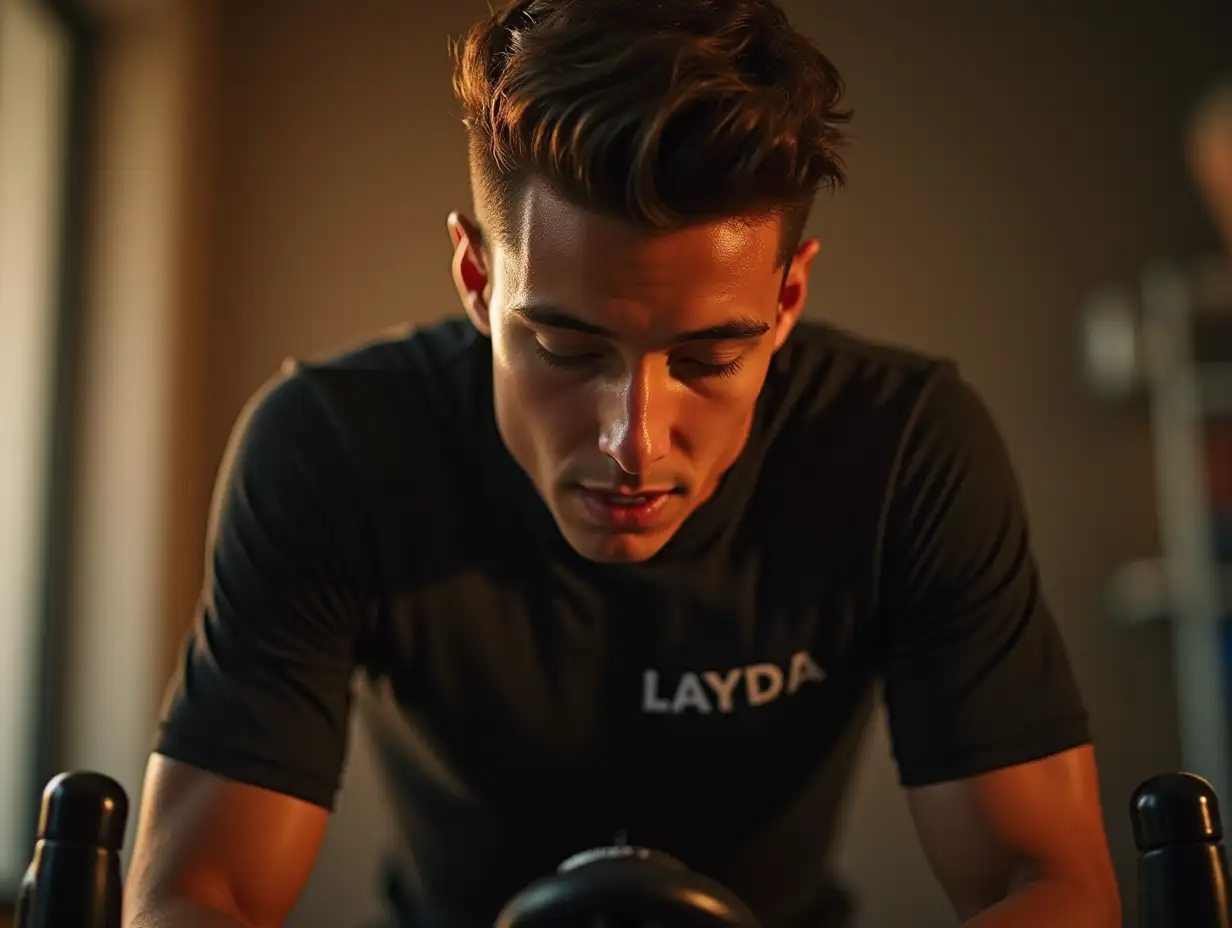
(635, 427)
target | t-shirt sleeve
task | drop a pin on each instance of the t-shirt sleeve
(262, 692)
(976, 675)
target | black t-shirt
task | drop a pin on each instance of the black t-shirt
(372, 543)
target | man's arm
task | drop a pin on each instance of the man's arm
(254, 726)
(989, 729)
(213, 853)
(1022, 846)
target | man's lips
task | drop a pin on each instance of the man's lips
(606, 489)
(623, 508)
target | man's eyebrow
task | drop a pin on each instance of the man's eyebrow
(738, 328)
(552, 318)
(735, 329)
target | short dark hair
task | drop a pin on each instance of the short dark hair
(664, 113)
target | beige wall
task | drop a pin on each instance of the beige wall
(1004, 164)
(142, 474)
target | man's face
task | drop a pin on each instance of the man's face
(627, 364)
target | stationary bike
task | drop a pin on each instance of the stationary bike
(74, 879)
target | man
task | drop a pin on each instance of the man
(630, 547)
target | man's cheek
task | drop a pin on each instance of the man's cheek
(540, 389)
(563, 420)
(520, 372)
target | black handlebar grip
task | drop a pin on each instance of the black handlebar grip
(73, 880)
(85, 808)
(1182, 865)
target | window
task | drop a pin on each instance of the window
(34, 98)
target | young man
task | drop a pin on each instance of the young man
(630, 547)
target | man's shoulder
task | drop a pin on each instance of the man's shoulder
(399, 403)
(851, 353)
(929, 396)
(413, 376)
(408, 350)
(845, 411)
(893, 410)
(829, 375)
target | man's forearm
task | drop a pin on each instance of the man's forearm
(180, 913)
(1056, 904)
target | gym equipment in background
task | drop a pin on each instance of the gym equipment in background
(1165, 346)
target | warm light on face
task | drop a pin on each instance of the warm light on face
(629, 362)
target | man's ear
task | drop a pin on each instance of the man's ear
(470, 270)
(794, 292)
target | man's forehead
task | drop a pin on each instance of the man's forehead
(555, 235)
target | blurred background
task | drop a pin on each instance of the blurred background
(191, 192)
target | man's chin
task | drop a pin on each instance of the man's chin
(608, 547)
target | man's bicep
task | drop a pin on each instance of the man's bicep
(226, 847)
(976, 673)
(986, 836)
(262, 693)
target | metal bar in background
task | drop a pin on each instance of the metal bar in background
(1139, 593)
(1193, 583)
